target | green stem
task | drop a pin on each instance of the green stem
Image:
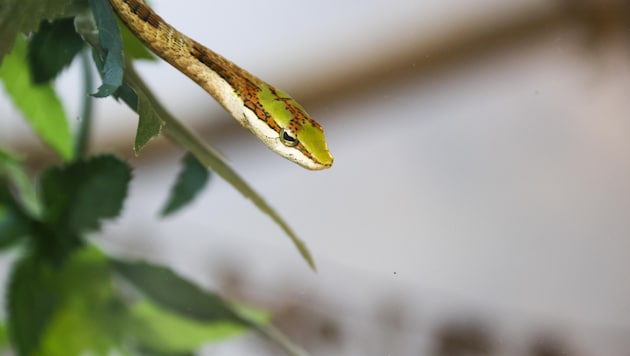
(83, 135)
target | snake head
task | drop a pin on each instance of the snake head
(297, 137)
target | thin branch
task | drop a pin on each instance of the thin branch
(83, 135)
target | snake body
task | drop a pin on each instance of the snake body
(269, 113)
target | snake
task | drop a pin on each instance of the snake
(273, 116)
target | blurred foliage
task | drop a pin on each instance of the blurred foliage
(64, 295)
(61, 296)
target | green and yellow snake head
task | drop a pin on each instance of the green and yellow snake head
(287, 129)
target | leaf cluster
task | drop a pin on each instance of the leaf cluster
(64, 295)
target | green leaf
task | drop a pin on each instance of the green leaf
(39, 103)
(31, 302)
(149, 123)
(15, 175)
(65, 309)
(124, 92)
(190, 181)
(4, 337)
(25, 16)
(78, 196)
(89, 318)
(167, 332)
(86, 276)
(111, 44)
(167, 289)
(13, 225)
(128, 96)
(75, 330)
(19, 205)
(53, 48)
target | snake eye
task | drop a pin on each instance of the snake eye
(287, 139)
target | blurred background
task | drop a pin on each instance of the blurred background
(479, 203)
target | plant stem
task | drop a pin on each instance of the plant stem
(83, 135)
